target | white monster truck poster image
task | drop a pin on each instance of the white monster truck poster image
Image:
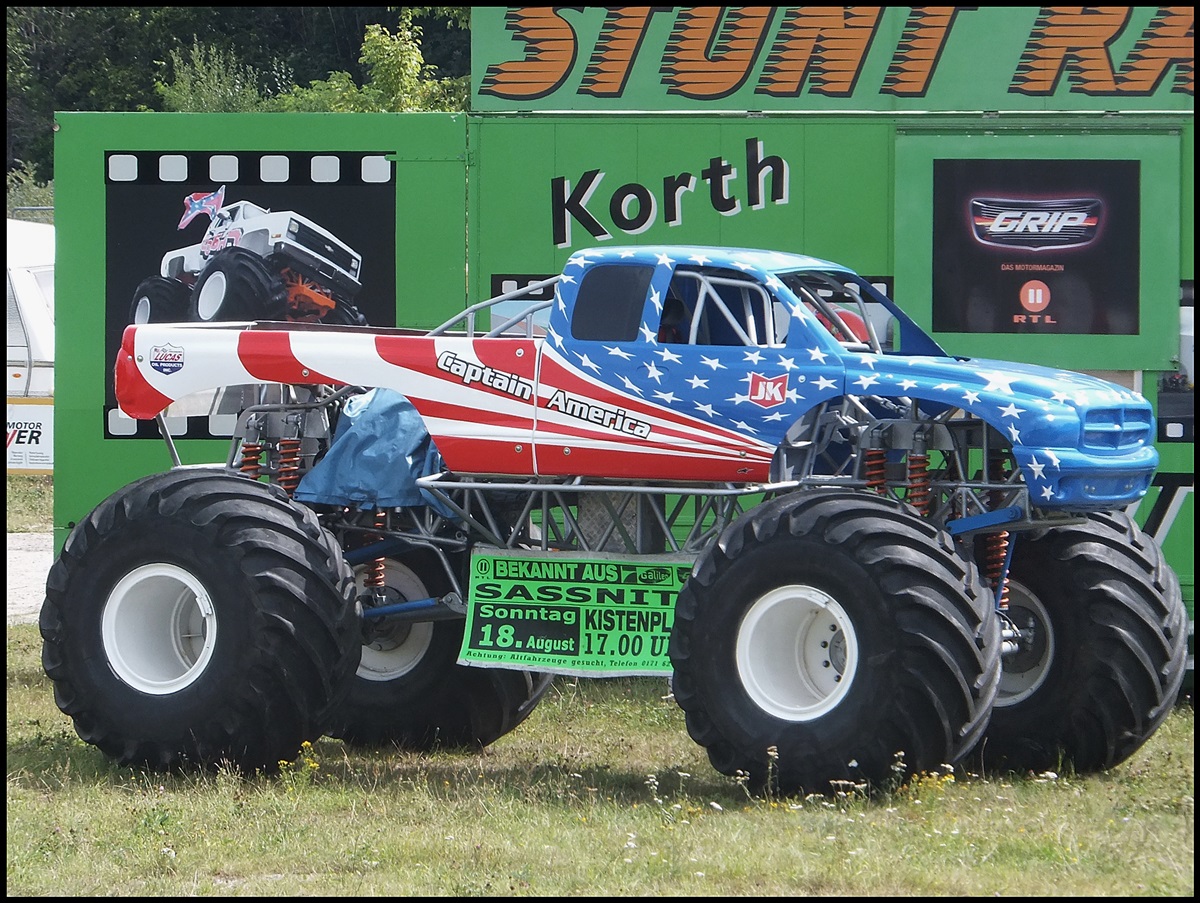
(237, 237)
(1036, 246)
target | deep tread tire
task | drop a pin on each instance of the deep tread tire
(345, 314)
(921, 644)
(1109, 670)
(238, 285)
(159, 300)
(121, 624)
(409, 690)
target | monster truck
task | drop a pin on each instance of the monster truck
(850, 555)
(253, 263)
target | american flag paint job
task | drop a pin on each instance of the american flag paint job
(641, 410)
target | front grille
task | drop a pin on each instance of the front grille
(314, 241)
(1115, 428)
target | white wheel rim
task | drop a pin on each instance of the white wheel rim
(398, 650)
(159, 629)
(141, 313)
(797, 653)
(212, 294)
(1022, 674)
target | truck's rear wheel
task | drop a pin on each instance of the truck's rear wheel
(159, 300)
(198, 618)
(1102, 654)
(410, 691)
(833, 636)
(238, 285)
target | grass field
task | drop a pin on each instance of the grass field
(29, 504)
(600, 792)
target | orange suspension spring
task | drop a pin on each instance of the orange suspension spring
(996, 551)
(375, 578)
(251, 465)
(997, 557)
(289, 465)
(918, 482)
(875, 469)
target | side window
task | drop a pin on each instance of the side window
(712, 308)
(608, 306)
(675, 327)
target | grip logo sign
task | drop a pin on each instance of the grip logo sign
(572, 613)
(828, 57)
(1036, 225)
(1045, 246)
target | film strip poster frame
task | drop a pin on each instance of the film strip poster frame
(352, 194)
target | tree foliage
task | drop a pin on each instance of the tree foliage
(28, 199)
(398, 79)
(205, 59)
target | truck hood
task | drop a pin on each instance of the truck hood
(1032, 405)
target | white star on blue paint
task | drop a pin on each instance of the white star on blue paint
(998, 382)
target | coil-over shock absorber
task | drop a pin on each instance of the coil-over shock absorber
(918, 476)
(997, 548)
(251, 464)
(289, 464)
(252, 450)
(875, 469)
(375, 580)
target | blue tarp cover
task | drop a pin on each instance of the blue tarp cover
(379, 450)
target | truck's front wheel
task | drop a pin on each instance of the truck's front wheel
(238, 285)
(198, 618)
(833, 636)
(410, 691)
(1101, 654)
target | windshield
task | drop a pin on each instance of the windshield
(857, 315)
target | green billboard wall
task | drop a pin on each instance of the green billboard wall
(572, 181)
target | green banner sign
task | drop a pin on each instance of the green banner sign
(588, 614)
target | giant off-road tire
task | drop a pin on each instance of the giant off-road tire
(1102, 654)
(196, 618)
(238, 285)
(159, 300)
(410, 692)
(833, 636)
